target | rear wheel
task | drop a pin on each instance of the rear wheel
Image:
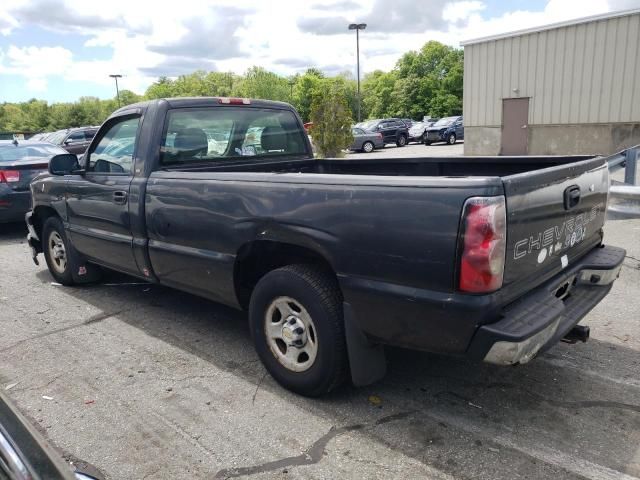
(367, 147)
(56, 251)
(451, 139)
(402, 141)
(295, 314)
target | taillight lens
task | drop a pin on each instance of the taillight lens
(379, 135)
(9, 176)
(484, 238)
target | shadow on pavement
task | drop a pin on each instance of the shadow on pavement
(573, 413)
(13, 231)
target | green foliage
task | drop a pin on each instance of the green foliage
(331, 117)
(424, 82)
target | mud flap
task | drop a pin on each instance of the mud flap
(367, 361)
(81, 270)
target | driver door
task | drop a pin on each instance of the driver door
(98, 200)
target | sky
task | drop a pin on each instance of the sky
(59, 50)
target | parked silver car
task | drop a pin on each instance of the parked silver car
(366, 141)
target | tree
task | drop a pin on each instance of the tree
(260, 83)
(331, 117)
(305, 89)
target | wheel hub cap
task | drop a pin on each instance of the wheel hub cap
(290, 334)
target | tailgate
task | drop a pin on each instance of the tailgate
(554, 216)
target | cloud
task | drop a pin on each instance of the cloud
(63, 16)
(339, 5)
(336, 69)
(618, 5)
(403, 16)
(324, 25)
(456, 12)
(176, 66)
(295, 62)
(7, 23)
(209, 36)
(36, 62)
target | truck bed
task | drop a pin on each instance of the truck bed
(410, 167)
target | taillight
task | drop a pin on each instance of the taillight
(484, 237)
(9, 176)
(379, 135)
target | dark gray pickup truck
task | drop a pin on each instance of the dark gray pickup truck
(493, 258)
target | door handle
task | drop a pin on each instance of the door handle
(120, 197)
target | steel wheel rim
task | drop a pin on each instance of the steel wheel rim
(368, 147)
(452, 139)
(57, 252)
(291, 334)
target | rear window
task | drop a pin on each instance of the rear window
(194, 135)
(11, 153)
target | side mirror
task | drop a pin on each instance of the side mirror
(64, 164)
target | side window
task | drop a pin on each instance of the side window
(75, 137)
(114, 151)
(89, 134)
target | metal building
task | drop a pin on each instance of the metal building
(567, 88)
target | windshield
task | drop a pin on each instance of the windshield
(56, 137)
(443, 122)
(229, 133)
(11, 153)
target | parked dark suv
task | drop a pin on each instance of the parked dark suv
(73, 140)
(393, 130)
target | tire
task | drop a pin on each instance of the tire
(300, 303)
(451, 139)
(402, 141)
(423, 138)
(427, 143)
(368, 147)
(57, 251)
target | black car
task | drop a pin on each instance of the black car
(21, 162)
(73, 140)
(448, 129)
(393, 130)
(490, 258)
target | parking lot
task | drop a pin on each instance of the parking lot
(140, 381)
(413, 150)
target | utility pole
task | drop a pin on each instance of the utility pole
(357, 27)
(116, 77)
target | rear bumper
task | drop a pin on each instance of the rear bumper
(13, 205)
(469, 325)
(539, 320)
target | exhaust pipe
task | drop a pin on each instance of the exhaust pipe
(579, 333)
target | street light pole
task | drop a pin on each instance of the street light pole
(357, 27)
(116, 77)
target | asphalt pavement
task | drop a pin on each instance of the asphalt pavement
(140, 381)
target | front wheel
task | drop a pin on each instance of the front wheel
(367, 147)
(295, 315)
(451, 139)
(56, 251)
(402, 141)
